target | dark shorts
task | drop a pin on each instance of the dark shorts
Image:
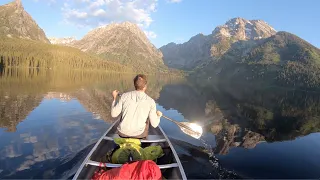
(141, 136)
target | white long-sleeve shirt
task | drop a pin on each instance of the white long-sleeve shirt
(136, 107)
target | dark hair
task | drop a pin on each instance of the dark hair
(140, 81)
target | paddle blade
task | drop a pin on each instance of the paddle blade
(196, 131)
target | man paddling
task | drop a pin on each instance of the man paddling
(137, 110)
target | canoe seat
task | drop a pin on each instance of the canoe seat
(150, 138)
(110, 165)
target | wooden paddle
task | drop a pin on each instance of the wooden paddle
(188, 128)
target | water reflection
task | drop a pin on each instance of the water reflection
(14, 109)
(183, 98)
(256, 115)
(245, 116)
(47, 118)
(277, 125)
(40, 139)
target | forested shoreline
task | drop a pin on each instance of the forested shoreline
(33, 54)
(22, 53)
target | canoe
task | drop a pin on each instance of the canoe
(169, 164)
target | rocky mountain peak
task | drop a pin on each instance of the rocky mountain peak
(116, 30)
(18, 3)
(198, 38)
(242, 29)
(122, 42)
(237, 20)
(62, 41)
(133, 28)
(127, 25)
(16, 22)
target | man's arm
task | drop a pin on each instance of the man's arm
(116, 108)
(153, 116)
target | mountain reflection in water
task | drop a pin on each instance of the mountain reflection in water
(49, 121)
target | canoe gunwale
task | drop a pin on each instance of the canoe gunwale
(183, 174)
(92, 150)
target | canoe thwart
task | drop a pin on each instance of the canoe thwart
(110, 165)
(150, 139)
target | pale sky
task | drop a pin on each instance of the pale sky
(166, 21)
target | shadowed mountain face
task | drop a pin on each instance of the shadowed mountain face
(16, 22)
(202, 49)
(283, 60)
(250, 51)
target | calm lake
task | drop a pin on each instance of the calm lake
(49, 121)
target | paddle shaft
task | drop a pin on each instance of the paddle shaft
(179, 124)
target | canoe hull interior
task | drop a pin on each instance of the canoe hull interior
(169, 164)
